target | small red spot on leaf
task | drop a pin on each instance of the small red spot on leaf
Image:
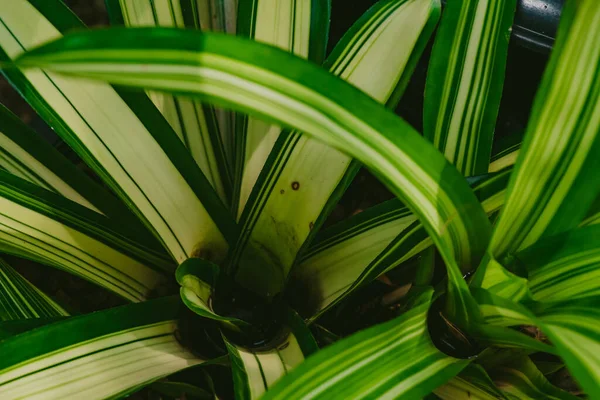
(295, 185)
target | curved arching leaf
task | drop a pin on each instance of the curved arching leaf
(195, 123)
(264, 80)
(356, 251)
(564, 266)
(393, 360)
(303, 177)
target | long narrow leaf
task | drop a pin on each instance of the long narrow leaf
(564, 266)
(371, 243)
(465, 80)
(521, 379)
(95, 356)
(221, 16)
(303, 174)
(393, 360)
(47, 227)
(473, 382)
(573, 328)
(555, 178)
(27, 155)
(195, 124)
(570, 325)
(19, 299)
(264, 80)
(300, 27)
(121, 136)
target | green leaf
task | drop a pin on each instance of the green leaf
(49, 228)
(195, 123)
(303, 177)
(121, 136)
(555, 179)
(393, 360)
(357, 250)
(14, 327)
(299, 27)
(564, 266)
(505, 158)
(221, 16)
(503, 337)
(498, 280)
(473, 382)
(500, 311)
(521, 379)
(19, 299)
(27, 155)
(95, 356)
(266, 81)
(573, 328)
(257, 370)
(465, 80)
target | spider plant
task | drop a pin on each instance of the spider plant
(220, 158)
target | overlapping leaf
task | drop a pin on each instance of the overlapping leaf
(120, 135)
(96, 356)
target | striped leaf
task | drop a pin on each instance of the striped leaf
(508, 338)
(264, 80)
(393, 360)
(101, 355)
(504, 158)
(121, 136)
(498, 280)
(555, 179)
(300, 27)
(473, 382)
(369, 244)
(221, 16)
(27, 155)
(465, 80)
(51, 229)
(499, 311)
(19, 299)
(257, 370)
(195, 123)
(565, 266)
(303, 177)
(573, 328)
(521, 379)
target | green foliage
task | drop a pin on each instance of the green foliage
(222, 156)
